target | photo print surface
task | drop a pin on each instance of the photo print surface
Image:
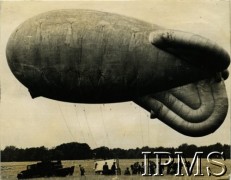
(90, 81)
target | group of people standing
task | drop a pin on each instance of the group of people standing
(171, 168)
(107, 171)
(138, 169)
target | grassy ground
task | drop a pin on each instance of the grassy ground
(9, 170)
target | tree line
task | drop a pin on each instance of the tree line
(81, 151)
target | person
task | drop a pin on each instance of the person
(127, 172)
(82, 170)
(113, 169)
(105, 169)
(174, 168)
(152, 167)
(161, 167)
(169, 166)
(188, 165)
(142, 168)
(132, 168)
(96, 170)
(96, 164)
(138, 168)
(118, 171)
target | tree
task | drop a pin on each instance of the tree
(9, 154)
(102, 153)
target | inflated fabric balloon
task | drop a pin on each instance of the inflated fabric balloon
(86, 56)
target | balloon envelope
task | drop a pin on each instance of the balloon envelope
(88, 56)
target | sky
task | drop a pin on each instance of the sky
(27, 122)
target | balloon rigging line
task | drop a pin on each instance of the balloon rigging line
(148, 134)
(104, 126)
(66, 123)
(89, 128)
(81, 131)
(141, 129)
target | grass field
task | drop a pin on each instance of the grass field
(9, 170)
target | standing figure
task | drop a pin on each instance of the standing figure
(113, 169)
(82, 170)
(105, 169)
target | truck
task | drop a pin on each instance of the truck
(46, 169)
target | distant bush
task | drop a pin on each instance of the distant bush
(81, 151)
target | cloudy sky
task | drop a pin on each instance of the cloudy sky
(27, 122)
